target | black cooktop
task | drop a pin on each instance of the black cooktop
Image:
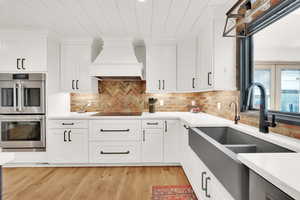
(118, 114)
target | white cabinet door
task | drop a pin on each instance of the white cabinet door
(187, 64)
(23, 55)
(171, 141)
(9, 53)
(169, 67)
(69, 67)
(184, 141)
(205, 58)
(153, 73)
(57, 146)
(85, 83)
(161, 67)
(152, 145)
(67, 145)
(75, 61)
(34, 54)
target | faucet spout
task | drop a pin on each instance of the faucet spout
(263, 112)
(236, 114)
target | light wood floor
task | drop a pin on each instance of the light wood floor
(101, 183)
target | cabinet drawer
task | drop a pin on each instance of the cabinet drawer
(153, 124)
(114, 152)
(114, 130)
(68, 124)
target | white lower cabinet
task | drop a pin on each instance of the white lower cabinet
(67, 145)
(171, 141)
(152, 145)
(114, 152)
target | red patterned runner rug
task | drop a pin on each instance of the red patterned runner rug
(173, 193)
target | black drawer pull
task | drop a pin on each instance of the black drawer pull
(67, 124)
(208, 78)
(206, 187)
(156, 123)
(116, 130)
(114, 153)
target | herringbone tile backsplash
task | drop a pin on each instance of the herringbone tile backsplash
(130, 96)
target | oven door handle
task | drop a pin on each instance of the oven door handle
(15, 96)
(19, 94)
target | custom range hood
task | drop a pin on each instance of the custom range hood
(117, 61)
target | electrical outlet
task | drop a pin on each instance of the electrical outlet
(219, 106)
(193, 103)
(161, 102)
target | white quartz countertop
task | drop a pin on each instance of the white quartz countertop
(6, 157)
(281, 169)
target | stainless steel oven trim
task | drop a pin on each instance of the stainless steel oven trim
(15, 97)
(4, 84)
(31, 84)
(18, 90)
(24, 144)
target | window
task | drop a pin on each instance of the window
(269, 54)
(289, 89)
(263, 75)
(282, 83)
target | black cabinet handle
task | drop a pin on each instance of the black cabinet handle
(166, 126)
(163, 85)
(159, 84)
(208, 78)
(67, 124)
(69, 136)
(18, 60)
(193, 84)
(202, 180)
(149, 123)
(116, 130)
(77, 84)
(73, 88)
(23, 61)
(144, 135)
(114, 153)
(186, 127)
(206, 187)
(65, 136)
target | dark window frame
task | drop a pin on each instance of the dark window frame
(246, 60)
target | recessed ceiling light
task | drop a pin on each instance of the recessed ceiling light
(142, 0)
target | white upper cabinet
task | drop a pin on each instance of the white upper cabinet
(75, 62)
(187, 65)
(216, 54)
(161, 67)
(23, 51)
(205, 56)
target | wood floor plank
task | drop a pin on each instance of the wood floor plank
(88, 183)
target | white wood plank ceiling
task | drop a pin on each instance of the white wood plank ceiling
(97, 18)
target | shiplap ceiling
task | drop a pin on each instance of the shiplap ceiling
(96, 18)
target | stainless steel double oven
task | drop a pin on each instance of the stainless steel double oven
(22, 112)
